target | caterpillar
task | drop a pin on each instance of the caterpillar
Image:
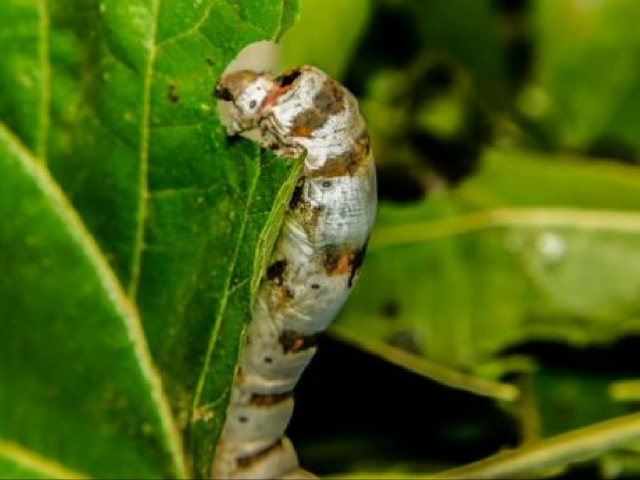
(316, 258)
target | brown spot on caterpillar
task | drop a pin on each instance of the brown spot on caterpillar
(330, 98)
(239, 376)
(308, 121)
(275, 271)
(302, 131)
(293, 342)
(315, 286)
(246, 462)
(172, 93)
(327, 102)
(309, 217)
(342, 261)
(282, 296)
(346, 163)
(270, 399)
(356, 263)
(336, 261)
(338, 166)
(342, 266)
(306, 213)
(363, 144)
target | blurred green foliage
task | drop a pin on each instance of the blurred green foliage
(507, 246)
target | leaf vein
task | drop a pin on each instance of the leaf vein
(45, 81)
(110, 284)
(195, 28)
(144, 156)
(624, 222)
(36, 463)
(223, 303)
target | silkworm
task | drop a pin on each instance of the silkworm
(316, 259)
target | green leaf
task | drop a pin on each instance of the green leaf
(24, 88)
(18, 463)
(335, 26)
(471, 273)
(78, 384)
(290, 15)
(467, 32)
(588, 70)
(567, 399)
(133, 229)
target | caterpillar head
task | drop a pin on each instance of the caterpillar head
(246, 91)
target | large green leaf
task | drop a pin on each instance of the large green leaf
(132, 230)
(78, 385)
(527, 250)
(587, 69)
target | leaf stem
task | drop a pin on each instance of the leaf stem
(505, 217)
(558, 451)
(576, 445)
(432, 370)
(35, 463)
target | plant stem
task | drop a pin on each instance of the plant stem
(576, 445)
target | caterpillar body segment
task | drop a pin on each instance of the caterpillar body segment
(315, 261)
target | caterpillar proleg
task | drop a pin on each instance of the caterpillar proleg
(316, 258)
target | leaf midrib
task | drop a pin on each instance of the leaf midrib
(215, 335)
(37, 463)
(145, 129)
